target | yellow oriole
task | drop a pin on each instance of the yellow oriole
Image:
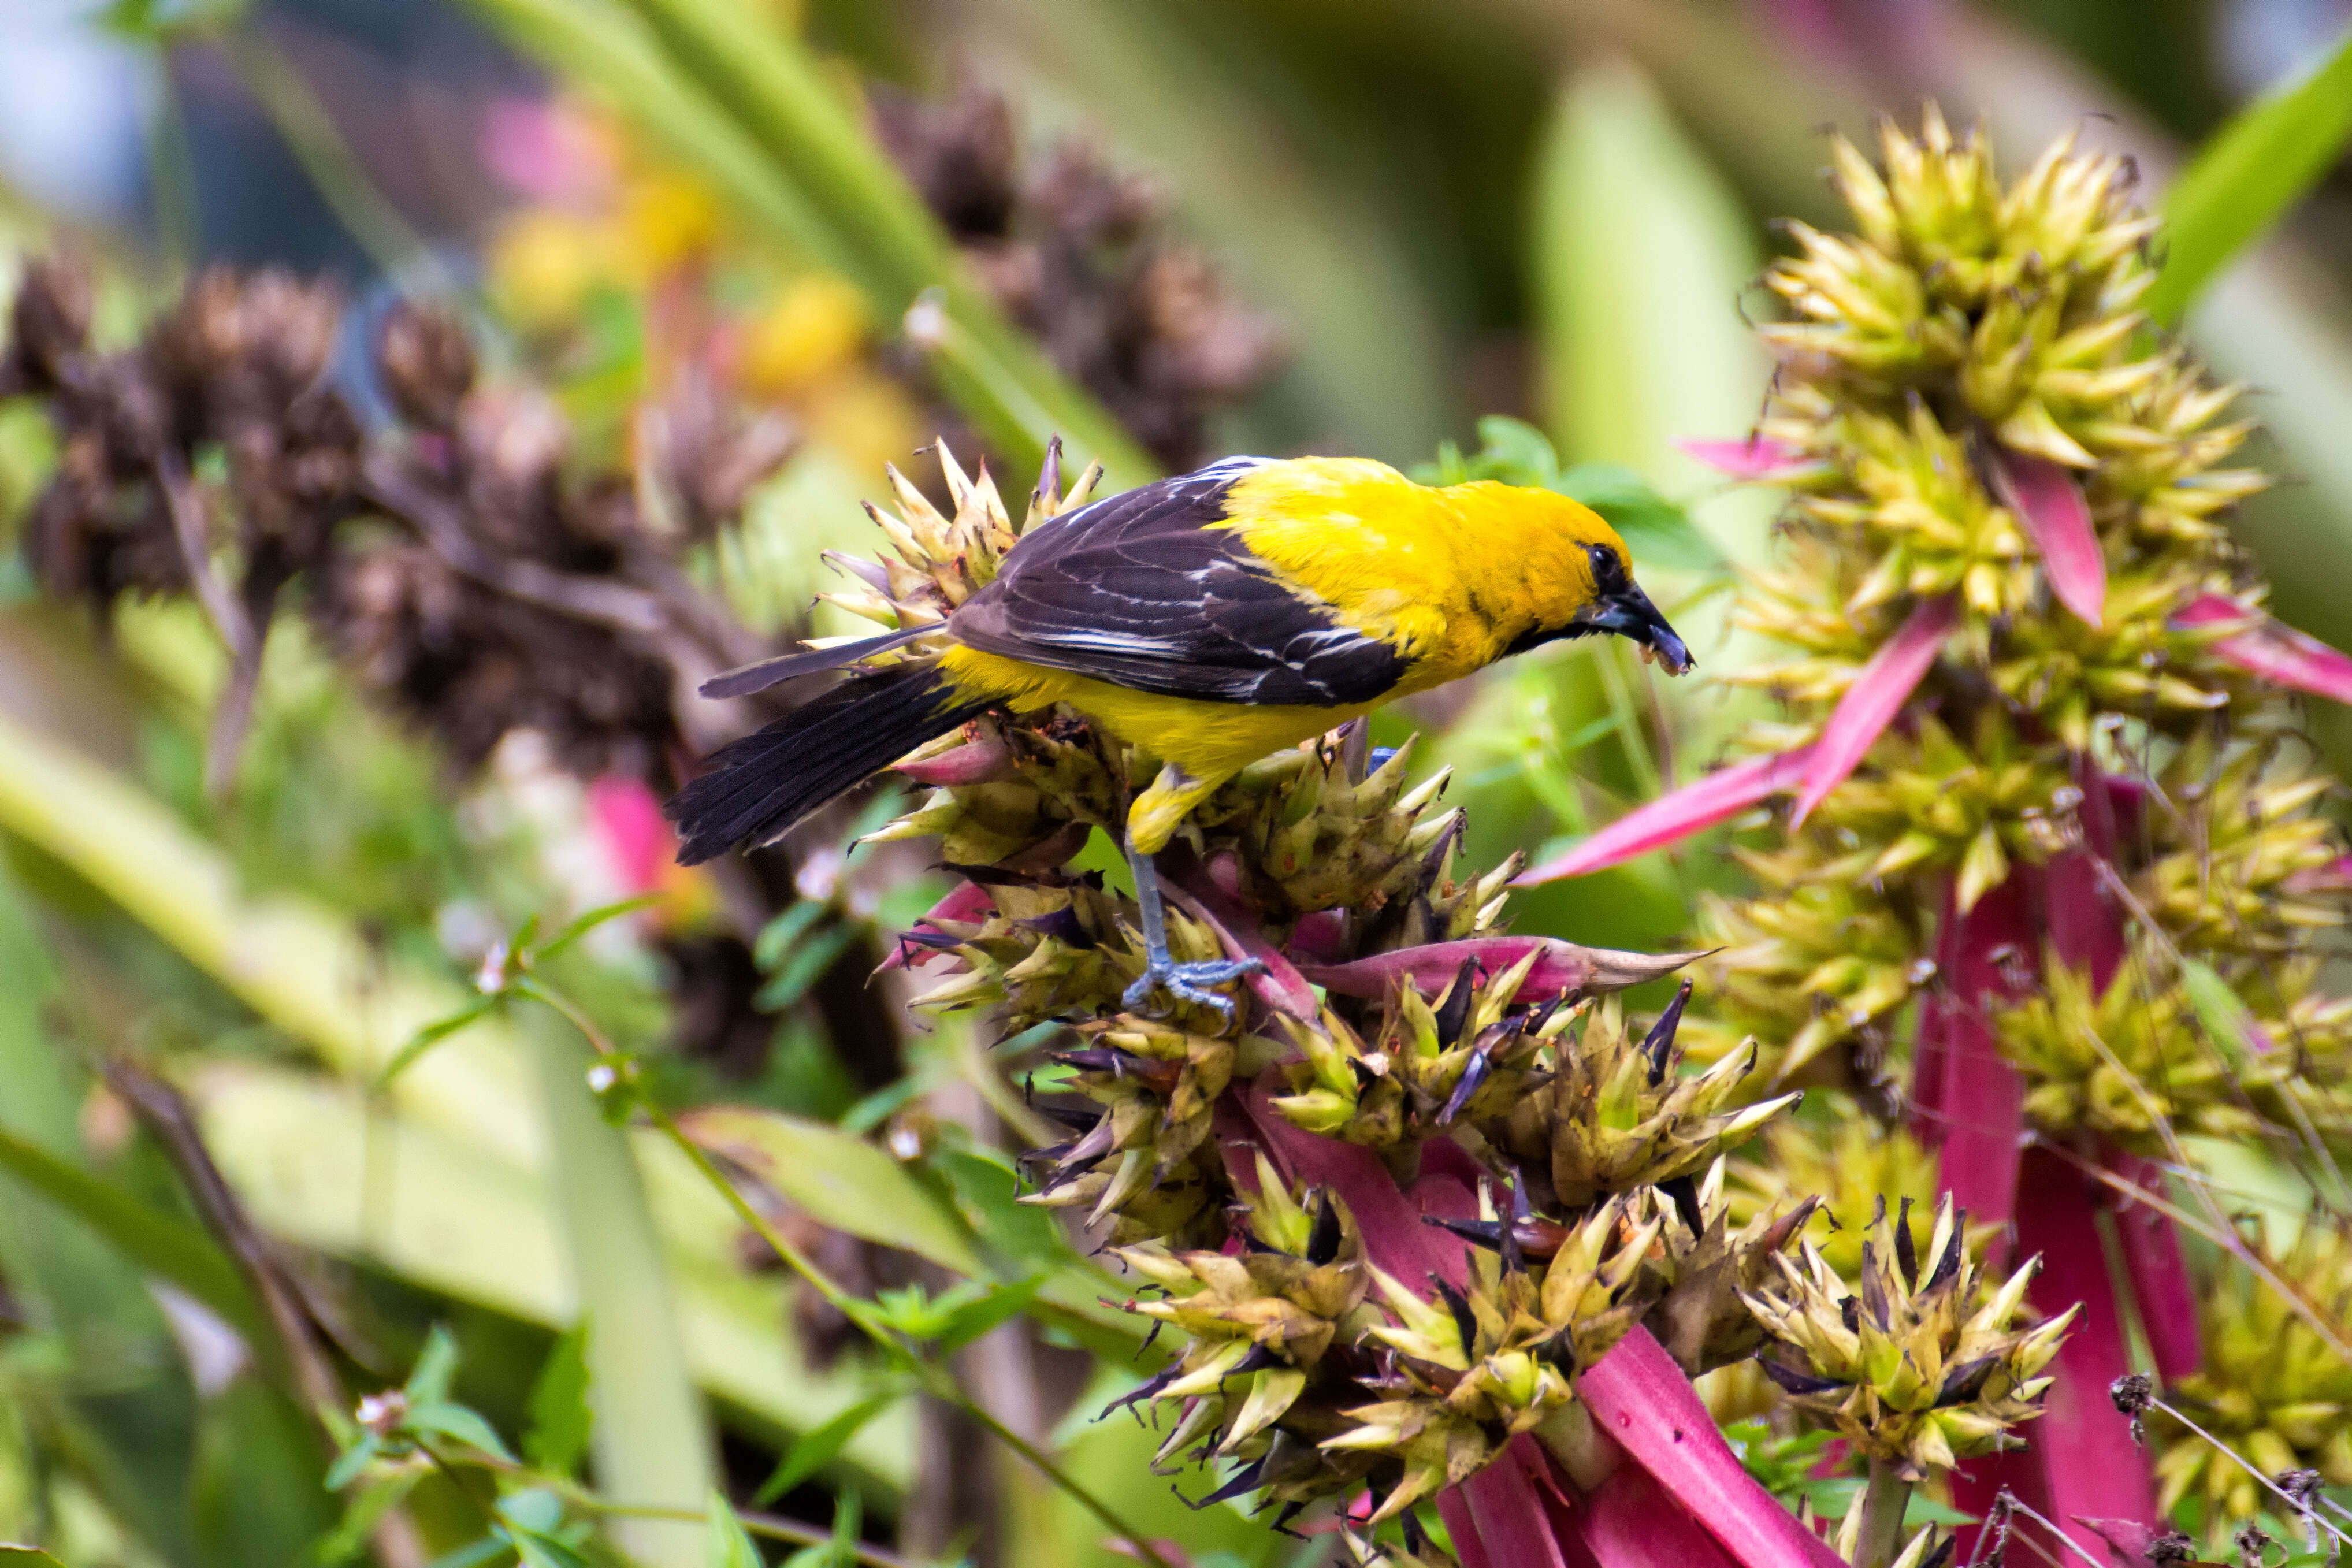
(1211, 620)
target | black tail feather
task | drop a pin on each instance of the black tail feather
(744, 679)
(759, 785)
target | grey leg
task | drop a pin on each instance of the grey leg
(1161, 972)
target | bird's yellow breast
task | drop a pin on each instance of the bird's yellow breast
(1450, 577)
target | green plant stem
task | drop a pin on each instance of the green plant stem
(934, 1379)
(651, 1440)
(1883, 1502)
(768, 1525)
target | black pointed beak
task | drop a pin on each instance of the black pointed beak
(1629, 614)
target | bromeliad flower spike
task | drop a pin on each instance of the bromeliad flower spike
(1413, 1185)
(2039, 745)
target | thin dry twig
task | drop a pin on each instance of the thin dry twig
(167, 1116)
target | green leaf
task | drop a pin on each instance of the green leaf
(841, 1552)
(461, 1425)
(437, 1363)
(2218, 1008)
(561, 1418)
(812, 1451)
(488, 1549)
(27, 1556)
(988, 1195)
(533, 1508)
(539, 1550)
(2247, 174)
(872, 1110)
(176, 1251)
(1003, 1302)
(803, 967)
(729, 1545)
(352, 1460)
(432, 1035)
(1515, 452)
(779, 935)
(586, 923)
(836, 1179)
(350, 1538)
(1925, 1509)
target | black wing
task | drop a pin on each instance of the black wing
(1138, 590)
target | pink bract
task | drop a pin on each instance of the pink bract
(2048, 499)
(1876, 696)
(1560, 967)
(1719, 797)
(1754, 458)
(2273, 649)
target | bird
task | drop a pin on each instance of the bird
(1209, 619)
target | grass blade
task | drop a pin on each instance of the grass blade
(2247, 176)
(651, 1442)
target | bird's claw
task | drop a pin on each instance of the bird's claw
(1189, 982)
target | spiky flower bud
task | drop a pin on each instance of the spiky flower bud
(1922, 1365)
(1480, 1364)
(1262, 1322)
(1466, 1057)
(1617, 1114)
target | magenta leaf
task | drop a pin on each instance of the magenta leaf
(2159, 1276)
(1973, 1100)
(974, 762)
(1876, 696)
(968, 905)
(2127, 1542)
(2273, 650)
(1454, 1507)
(1513, 1529)
(1639, 1397)
(1318, 936)
(1394, 1237)
(1675, 816)
(1560, 967)
(2090, 1464)
(1278, 986)
(2048, 499)
(2085, 925)
(1754, 458)
(1719, 797)
(1629, 1521)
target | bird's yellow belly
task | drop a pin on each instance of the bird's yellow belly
(1210, 742)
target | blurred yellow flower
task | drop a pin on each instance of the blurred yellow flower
(813, 326)
(542, 265)
(866, 417)
(666, 219)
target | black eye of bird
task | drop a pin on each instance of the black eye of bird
(1608, 571)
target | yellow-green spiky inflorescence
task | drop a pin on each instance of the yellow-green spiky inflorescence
(1919, 1362)
(1323, 1363)
(2275, 1390)
(1970, 352)
(2059, 872)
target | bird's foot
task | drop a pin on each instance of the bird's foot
(1189, 982)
